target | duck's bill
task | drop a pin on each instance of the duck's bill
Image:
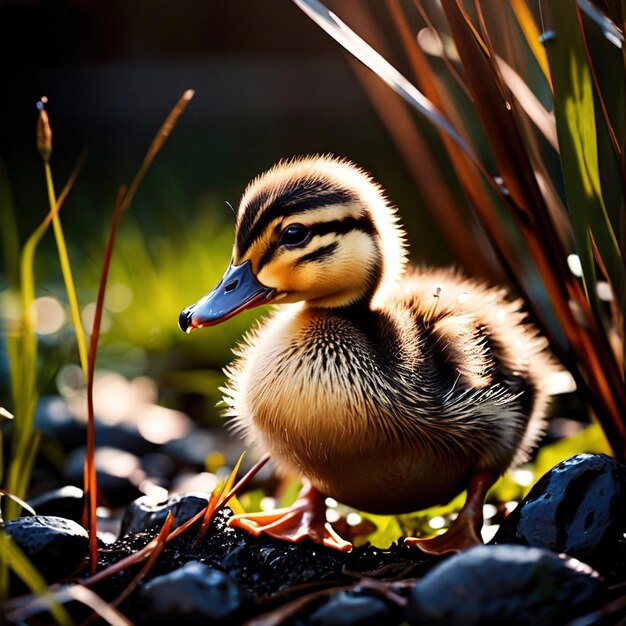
(237, 291)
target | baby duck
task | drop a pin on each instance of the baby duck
(389, 391)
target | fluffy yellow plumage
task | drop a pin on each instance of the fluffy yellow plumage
(388, 391)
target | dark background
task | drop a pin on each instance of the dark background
(269, 84)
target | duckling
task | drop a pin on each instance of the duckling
(387, 390)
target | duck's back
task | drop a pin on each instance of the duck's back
(475, 346)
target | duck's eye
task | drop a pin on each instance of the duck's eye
(294, 235)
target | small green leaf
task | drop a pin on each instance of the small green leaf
(388, 530)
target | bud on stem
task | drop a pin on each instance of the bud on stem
(44, 132)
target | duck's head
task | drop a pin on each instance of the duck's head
(317, 230)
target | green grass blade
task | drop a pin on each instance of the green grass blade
(578, 140)
(22, 351)
(66, 270)
(22, 346)
(13, 557)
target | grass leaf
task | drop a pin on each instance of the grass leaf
(574, 105)
(13, 557)
(369, 57)
(531, 32)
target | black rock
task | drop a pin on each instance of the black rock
(194, 594)
(55, 546)
(67, 502)
(144, 514)
(118, 473)
(193, 449)
(578, 508)
(158, 466)
(123, 437)
(54, 420)
(516, 585)
(349, 608)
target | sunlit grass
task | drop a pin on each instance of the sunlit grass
(22, 338)
(21, 342)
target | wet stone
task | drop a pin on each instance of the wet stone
(193, 449)
(144, 513)
(118, 473)
(124, 437)
(54, 420)
(158, 466)
(349, 608)
(578, 508)
(67, 502)
(511, 584)
(55, 546)
(195, 594)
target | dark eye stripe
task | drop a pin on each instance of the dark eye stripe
(289, 201)
(338, 227)
(317, 255)
(341, 227)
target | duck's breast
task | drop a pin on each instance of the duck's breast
(311, 391)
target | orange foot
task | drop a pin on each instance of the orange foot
(305, 519)
(464, 531)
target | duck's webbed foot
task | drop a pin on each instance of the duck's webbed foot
(304, 519)
(464, 531)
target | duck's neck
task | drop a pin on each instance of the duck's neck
(359, 313)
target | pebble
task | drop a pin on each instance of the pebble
(123, 436)
(578, 508)
(349, 608)
(56, 546)
(54, 419)
(193, 449)
(67, 502)
(193, 594)
(118, 473)
(516, 585)
(158, 466)
(144, 513)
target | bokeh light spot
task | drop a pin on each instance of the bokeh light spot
(118, 297)
(574, 264)
(214, 461)
(353, 519)
(49, 315)
(523, 477)
(437, 522)
(88, 315)
(159, 425)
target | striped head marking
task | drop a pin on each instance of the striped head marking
(316, 229)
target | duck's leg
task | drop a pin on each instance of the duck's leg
(464, 531)
(304, 519)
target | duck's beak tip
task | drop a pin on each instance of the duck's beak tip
(185, 321)
(237, 291)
